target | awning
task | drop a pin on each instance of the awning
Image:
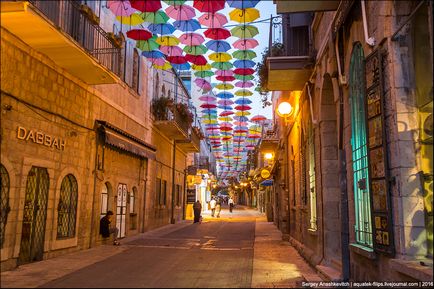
(120, 139)
(267, 183)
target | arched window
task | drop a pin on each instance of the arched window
(105, 197)
(4, 202)
(363, 226)
(67, 207)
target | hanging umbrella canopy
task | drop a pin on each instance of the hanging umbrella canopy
(153, 54)
(209, 121)
(244, 44)
(243, 101)
(208, 110)
(217, 33)
(225, 73)
(147, 45)
(211, 6)
(244, 31)
(243, 107)
(171, 50)
(244, 15)
(244, 84)
(206, 73)
(120, 8)
(208, 105)
(241, 118)
(174, 2)
(244, 54)
(222, 65)
(225, 118)
(176, 59)
(162, 29)
(225, 107)
(131, 20)
(202, 83)
(191, 39)
(183, 66)
(166, 66)
(244, 71)
(146, 5)
(244, 77)
(157, 61)
(242, 113)
(226, 113)
(243, 4)
(225, 78)
(213, 20)
(244, 63)
(201, 67)
(225, 102)
(224, 86)
(207, 98)
(258, 118)
(243, 92)
(167, 40)
(220, 57)
(157, 17)
(196, 50)
(218, 45)
(225, 95)
(196, 59)
(187, 25)
(180, 12)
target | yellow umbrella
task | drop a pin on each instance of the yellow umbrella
(244, 15)
(201, 67)
(132, 20)
(242, 113)
(243, 92)
(214, 136)
(165, 66)
(220, 57)
(209, 121)
(224, 86)
(167, 40)
(225, 118)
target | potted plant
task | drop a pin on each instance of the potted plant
(88, 12)
(277, 49)
(160, 107)
(184, 112)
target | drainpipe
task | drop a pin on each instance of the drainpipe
(172, 213)
(92, 217)
(369, 40)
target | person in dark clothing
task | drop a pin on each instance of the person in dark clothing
(197, 208)
(218, 207)
(105, 230)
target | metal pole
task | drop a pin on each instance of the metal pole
(172, 218)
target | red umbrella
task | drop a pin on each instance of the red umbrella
(225, 128)
(139, 34)
(209, 5)
(254, 136)
(176, 59)
(258, 118)
(226, 113)
(243, 107)
(196, 59)
(225, 78)
(208, 105)
(244, 71)
(217, 33)
(146, 5)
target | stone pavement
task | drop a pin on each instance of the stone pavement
(275, 262)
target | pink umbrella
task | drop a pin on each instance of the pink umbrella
(191, 39)
(120, 7)
(207, 98)
(226, 113)
(202, 83)
(213, 20)
(157, 61)
(226, 124)
(240, 123)
(180, 12)
(208, 105)
(258, 118)
(225, 102)
(244, 44)
(244, 84)
(243, 107)
(224, 73)
(171, 50)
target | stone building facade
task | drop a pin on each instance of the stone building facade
(355, 192)
(71, 149)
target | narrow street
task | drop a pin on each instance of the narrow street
(236, 250)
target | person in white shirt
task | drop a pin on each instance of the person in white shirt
(231, 204)
(212, 204)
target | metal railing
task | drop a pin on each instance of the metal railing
(74, 19)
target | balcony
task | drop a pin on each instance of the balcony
(270, 141)
(68, 33)
(290, 61)
(170, 123)
(293, 6)
(192, 144)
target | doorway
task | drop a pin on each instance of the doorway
(121, 209)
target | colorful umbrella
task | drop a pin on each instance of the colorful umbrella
(202, 84)
(243, 101)
(225, 102)
(244, 15)
(147, 45)
(218, 45)
(225, 95)
(244, 84)
(244, 77)
(209, 5)
(191, 39)
(187, 25)
(224, 73)
(176, 59)
(244, 31)
(183, 66)
(207, 98)
(167, 40)
(243, 92)
(153, 54)
(243, 107)
(244, 54)
(161, 29)
(171, 50)
(195, 50)
(243, 4)
(224, 86)
(166, 66)
(220, 57)
(174, 2)
(244, 71)
(157, 17)
(225, 107)
(181, 12)
(226, 113)
(222, 65)
(217, 33)
(201, 67)
(146, 5)
(208, 105)
(196, 59)
(139, 34)
(157, 61)
(258, 118)
(120, 8)
(206, 73)
(244, 63)
(132, 20)
(225, 78)
(242, 113)
(244, 44)
(213, 20)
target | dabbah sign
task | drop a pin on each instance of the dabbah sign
(41, 138)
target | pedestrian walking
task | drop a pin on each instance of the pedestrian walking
(231, 204)
(212, 204)
(218, 207)
(105, 230)
(197, 208)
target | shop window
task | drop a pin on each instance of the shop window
(4, 202)
(67, 208)
(312, 183)
(363, 222)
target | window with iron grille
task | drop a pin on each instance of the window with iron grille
(104, 200)
(67, 208)
(4, 187)
(363, 223)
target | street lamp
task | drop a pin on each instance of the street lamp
(284, 109)
(268, 156)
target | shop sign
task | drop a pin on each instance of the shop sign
(265, 174)
(41, 138)
(191, 196)
(377, 156)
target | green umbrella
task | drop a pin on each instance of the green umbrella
(195, 50)
(205, 73)
(222, 65)
(157, 17)
(148, 45)
(244, 54)
(244, 31)
(174, 2)
(244, 77)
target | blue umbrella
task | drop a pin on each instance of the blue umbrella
(208, 111)
(241, 118)
(162, 29)
(225, 107)
(244, 63)
(243, 4)
(187, 25)
(225, 95)
(243, 101)
(218, 45)
(153, 54)
(183, 66)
